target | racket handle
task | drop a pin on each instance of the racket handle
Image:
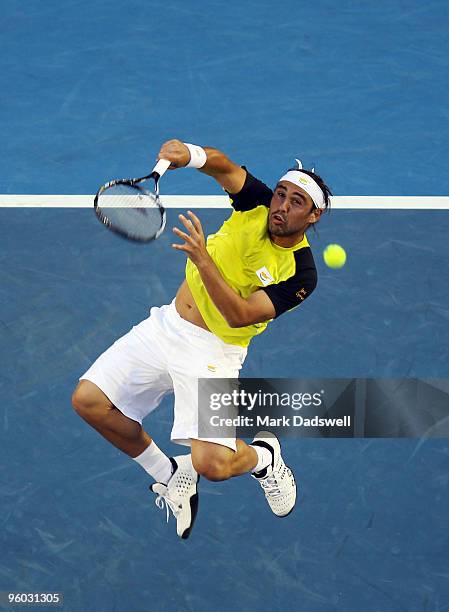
(161, 167)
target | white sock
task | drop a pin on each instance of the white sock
(264, 458)
(155, 463)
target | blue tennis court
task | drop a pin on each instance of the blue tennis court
(359, 90)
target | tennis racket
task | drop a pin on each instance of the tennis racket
(131, 208)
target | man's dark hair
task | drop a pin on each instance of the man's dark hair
(321, 184)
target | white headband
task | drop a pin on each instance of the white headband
(306, 183)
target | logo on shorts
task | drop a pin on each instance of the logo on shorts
(264, 276)
(211, 368)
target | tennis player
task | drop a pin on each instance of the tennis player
(256, 267)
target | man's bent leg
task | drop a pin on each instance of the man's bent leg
(263, 458)
(96, 409)
(124, 433)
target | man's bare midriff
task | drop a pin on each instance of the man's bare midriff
(186, 307)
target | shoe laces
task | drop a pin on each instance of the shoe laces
(271, 486)
(163, 501)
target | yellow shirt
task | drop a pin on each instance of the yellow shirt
(248, 261)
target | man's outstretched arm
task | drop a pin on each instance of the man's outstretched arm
(228, 174)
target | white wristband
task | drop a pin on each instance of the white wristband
(198, 156)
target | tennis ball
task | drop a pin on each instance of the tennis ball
(334, 256)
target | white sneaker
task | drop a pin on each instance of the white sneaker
(180, 494)
(277, 480)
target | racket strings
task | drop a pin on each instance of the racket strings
(131, 211)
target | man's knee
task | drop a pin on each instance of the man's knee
(89, 401)
(213, 467)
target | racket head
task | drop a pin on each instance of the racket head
(130, 210)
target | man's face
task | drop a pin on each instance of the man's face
(291, 210)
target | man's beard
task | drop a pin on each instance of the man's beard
(280, 230)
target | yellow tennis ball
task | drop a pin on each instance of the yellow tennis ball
(334, 256)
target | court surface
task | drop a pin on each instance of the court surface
(357, 88)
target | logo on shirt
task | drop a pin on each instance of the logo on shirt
(264, 276)
(301, 294)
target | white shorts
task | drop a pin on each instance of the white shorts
(165, 354)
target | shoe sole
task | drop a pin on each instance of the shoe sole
(263, 436)
(193, 512)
